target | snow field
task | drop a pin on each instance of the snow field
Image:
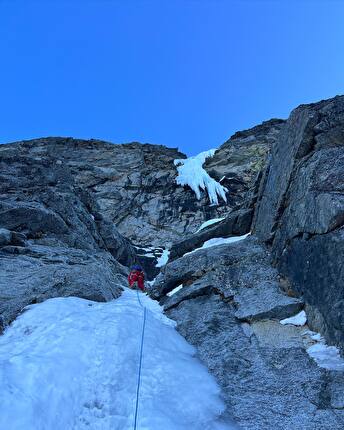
(70, 363)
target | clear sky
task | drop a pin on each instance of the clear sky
(181, 73)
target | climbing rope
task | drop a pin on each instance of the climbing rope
(140, 362)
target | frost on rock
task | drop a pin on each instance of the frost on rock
(191, 173)
(298, 320)
(70, 363)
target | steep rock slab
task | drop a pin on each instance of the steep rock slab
(239, 160)
(300, 209)
(240, 273)
(40, 198)
(53, 240)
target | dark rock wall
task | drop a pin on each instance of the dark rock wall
(300, 209)
(53, 239)
(240, 159)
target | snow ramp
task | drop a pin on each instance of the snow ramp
(70, 363)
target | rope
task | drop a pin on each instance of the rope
(140, 364)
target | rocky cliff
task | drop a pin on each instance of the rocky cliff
(70, 208)
(301, 210)
(231, 297)
(75, 214)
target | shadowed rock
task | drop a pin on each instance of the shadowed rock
(236, 223)
(300, 209)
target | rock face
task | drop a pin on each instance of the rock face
(236, 223)
(53, 239)
(68, 194)
(229, 307)
(134, 185)
(239, 160)
(300, 210)
(231, 297)
(34, 273)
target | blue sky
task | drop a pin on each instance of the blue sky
(185, 74)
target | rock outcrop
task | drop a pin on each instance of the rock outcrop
(53, 239)
(236, 223)
(229, 307)
(134, 185)
(239, 160)
(230, 298)
(300, 210)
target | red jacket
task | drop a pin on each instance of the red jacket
(137, 276)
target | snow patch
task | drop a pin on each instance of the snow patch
(210, 222)
(70, 363)
(326, 356)
(298, 320)
(219, 241)
(191, 173)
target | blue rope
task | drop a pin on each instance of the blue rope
(140, 365)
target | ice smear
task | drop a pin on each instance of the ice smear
(175, 290)
(191, 173)
(163, 259)
(298, 320)
(209, 222)
(70, 363)
(219, 241)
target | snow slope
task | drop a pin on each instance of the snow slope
(72, 364)
(191, 173)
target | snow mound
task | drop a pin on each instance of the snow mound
(298, 320)
(70, 363)
(191, 173)
(209, 222)
(218, 241)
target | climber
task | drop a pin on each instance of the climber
(136, 278)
